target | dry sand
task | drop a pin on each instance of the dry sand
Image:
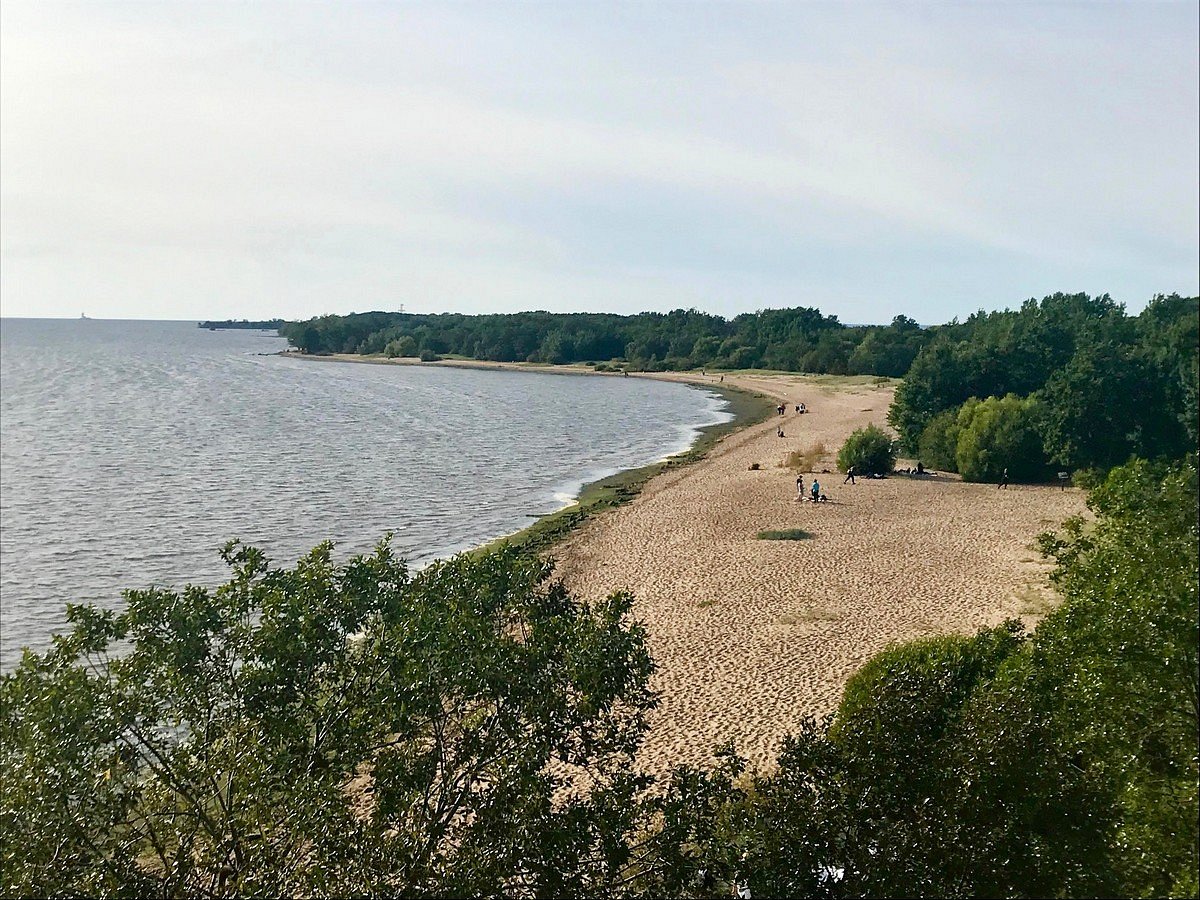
(750, 636)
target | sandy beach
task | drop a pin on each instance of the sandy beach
(751, 635)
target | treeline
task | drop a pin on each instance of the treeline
(797, 340)
(261, 325)
(355, 730)
(1070, 382)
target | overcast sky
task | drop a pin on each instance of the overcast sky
(212, 160)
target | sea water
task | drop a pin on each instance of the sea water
(131, 451)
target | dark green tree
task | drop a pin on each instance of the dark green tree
(996, 434)
(1105, 406)
(1123, 659)
(329, 729)
(940, 378)
(938, 446)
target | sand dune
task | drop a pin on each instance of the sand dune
(752, 635)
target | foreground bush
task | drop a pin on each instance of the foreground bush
(328, 730)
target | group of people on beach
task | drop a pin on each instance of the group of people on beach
(814, 494)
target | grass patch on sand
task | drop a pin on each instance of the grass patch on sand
(805, 460)
(705, 604)
(748, 408)
(785, 534)
(1036, 600)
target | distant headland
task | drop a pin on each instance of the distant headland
(261, 325)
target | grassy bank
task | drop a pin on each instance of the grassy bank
(747, 407)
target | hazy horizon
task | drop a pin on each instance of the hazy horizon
(1130, 310)
(194, 161)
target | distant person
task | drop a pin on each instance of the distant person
(779, 431)
(799, 487)
(722, 378)
(920, 468)
(849, 475)
(1003, 480)
(816, 490)
(802, 408)
(780, 409)
(797, 407)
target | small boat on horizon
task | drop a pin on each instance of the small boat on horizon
(82, 316)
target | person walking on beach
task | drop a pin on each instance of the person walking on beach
(799, 487)
(816, 490)
(849, 475)
(1003, 480)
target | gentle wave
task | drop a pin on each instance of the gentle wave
(132, 451)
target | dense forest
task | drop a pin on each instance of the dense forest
(1070, 382)
(797, 340)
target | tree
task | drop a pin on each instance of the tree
(1103, 407)
(1123, 659)
(311, 341)
(940, 378)
(938, 446)
(997, 434)
(888, 351)
(870, 450)
(329, 729)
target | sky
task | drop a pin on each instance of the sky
(179, 160)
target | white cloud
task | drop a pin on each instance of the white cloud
(296, 159)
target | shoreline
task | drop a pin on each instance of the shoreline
(751, 636)
(748, 408)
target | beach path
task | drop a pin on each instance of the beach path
(750, 635)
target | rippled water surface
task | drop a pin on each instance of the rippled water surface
(131, 451)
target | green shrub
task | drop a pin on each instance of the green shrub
(938, 446)
(996, 434)
(401, 346)
(870, 450)
(406, 345)
(429, 356)
(203, 737)
(1088, 478)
